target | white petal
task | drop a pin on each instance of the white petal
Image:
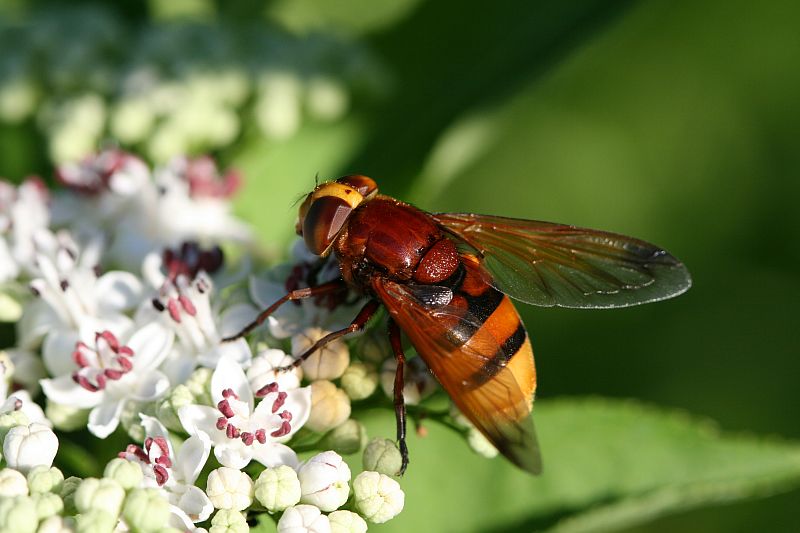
(150, 386)
(201, 419)
(150, 345)
(57, 351)
(192, 457)
(298, 402)
(66, 392)
(230, 375)
(178, 365)
(37, 319)
(274, 454)
(196, 504)
(154, 428)
(233, 454)
(29, 407)
(238, 351)
(118, 291)
(234, 318)
(179, 519)
(104, 419)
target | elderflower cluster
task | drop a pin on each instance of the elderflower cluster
(121, 296)
(83, 74)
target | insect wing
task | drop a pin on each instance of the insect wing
(489, 397)
(548, 264)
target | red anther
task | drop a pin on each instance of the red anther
(174, 312)
(187, 305)
(165, 461)
(138, 452)
(228, 393)
(79, 357)
(232, 432)
(286, 415)
(283, 430)
(85, 383)
(109, 337)
(112, 374)
(222, 423)
(125, 350)
(247, 438)
(161, 442)
(261, 435)
(162, 475)
(125, 363)
(225, 408)
(279, 401)
(266, 389)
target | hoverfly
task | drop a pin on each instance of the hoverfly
(446, 279)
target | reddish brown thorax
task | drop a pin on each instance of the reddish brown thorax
(372, 234)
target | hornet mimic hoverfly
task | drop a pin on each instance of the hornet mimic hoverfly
(446, 279)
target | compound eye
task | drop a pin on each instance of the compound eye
(301, 214)
(323, 222)
(364, 185)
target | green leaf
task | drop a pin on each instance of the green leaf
(608, 464)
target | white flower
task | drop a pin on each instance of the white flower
(23, 212)
(71, 295)
(378, 497)
(330, 407)
(107, 374)
(240, 430)
(21, 401)
(184, 305)
(324, 481)
(263, 371)
(303, 519)
(176, 473)
(329, 362)
(28, 368)
(27, 446)
(229, 488)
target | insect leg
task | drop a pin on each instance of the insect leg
(299, 294)
(399, 401)
(357, 324)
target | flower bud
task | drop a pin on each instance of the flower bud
(328, 363)
(329, 407)
(28, 446)
(66, 417)
(68, 490)
(199, 384)
(228, 488)
(324, 481)
(262, 370)
(167, 409)
(347, 522)
(54, 524)
(378, 497)
(480, 444)
(383, 456)
(418, 383)
(277, 488)
(12, 419)
(359, 381)
(228, 521)
(346, 438)
(47, 504)
(18, 514)
(99, 494)
(127, 473)
(373, 347)
(95, 521)
(45, 479)
(146, 510)
(303, 519)
(12, 483)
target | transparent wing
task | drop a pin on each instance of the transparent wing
(548, 264)
(489, 397)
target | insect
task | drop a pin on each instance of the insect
(446, 279)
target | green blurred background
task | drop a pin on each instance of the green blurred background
(676, 122)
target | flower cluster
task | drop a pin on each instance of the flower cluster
(122, 295)
(83, 74)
